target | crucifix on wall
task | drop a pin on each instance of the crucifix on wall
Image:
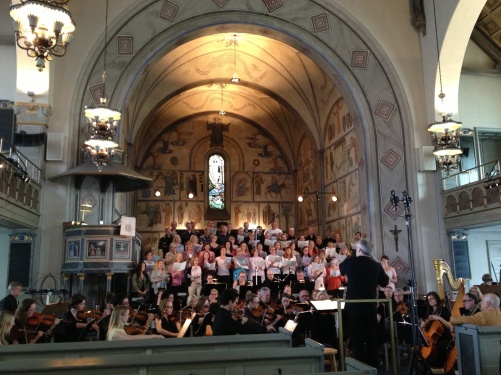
(395, 232)
(217, 128)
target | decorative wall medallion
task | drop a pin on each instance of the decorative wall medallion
(359, 59)
(174, 160)
(125, 45)
(320, 23)
(273, 5)
(394, 212)
(390, 159)
(169, 11)
(96, 91)
(384, 109)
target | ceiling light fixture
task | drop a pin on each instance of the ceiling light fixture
(102, 121)
(333, 197)
(43, 28)
(221, 111)
(234, 41)
(444, 136)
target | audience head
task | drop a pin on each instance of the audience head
(15, 288)
(490, 302)
(398, 295)
(304, 296)
(120, 299)
(487, 279)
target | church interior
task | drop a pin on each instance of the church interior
(229, 110)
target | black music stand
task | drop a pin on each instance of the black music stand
(243, 291)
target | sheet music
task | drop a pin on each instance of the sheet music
(339, 244)
(210, 266)
(179, 266)
(258, 262)
(280, 253)
(317, 267)
(306, 261)
(269, 242)
(289, 262)
(240, 238)
(197, 248)
(301, 244)
(227, 260)
(240, 263)
(274, 259)
(285, 244)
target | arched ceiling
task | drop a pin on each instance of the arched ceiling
(281, 90)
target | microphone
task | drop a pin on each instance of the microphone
(394, 199)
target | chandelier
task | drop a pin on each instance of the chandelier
(102, 122)
(43, 28)
(221, 111)
(445, 138)
(234, 41)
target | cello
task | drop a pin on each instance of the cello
(432, 332)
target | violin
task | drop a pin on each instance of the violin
(40, 321)
(135, 329)
(94, 314)
(139, 316)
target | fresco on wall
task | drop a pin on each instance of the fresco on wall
(242, 186)
(353, 225)
(150, 215)
(272, 187)
(339, 226)
(331, 207)
(265, 177)
(270, 212)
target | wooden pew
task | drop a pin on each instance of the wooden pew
(262, 360)
(479, 349)
(94, 348)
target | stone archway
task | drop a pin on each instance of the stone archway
(336, 43)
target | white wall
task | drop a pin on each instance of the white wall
(479, 258)
(8, 72)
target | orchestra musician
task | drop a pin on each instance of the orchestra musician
(116, 331)
(287, 311)
(24, 333)
(224, 323)
(74, 326)
(438, 336)
(254, 314)
(7, 318)
(270, 318)
(167, 324)
(400, 316)
(104, 322)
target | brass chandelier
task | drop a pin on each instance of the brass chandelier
(43, 28)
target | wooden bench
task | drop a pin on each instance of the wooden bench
(95, 348)
(261, 360)
(478, 349)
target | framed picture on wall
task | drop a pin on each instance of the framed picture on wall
(96, 249)
(122, 249)
(73, 249)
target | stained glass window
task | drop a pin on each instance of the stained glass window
(216, 182)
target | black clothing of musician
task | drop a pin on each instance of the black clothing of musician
(9, 303)
(364, 275)
(224, 324)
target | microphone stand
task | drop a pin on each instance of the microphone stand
(417, 364)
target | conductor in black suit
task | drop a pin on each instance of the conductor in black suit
(10, 302)
(364, 275)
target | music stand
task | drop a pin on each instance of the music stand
(56, 309)
(243, 291)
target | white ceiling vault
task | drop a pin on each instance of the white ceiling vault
(280, 90)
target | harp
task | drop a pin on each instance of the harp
(440, 268)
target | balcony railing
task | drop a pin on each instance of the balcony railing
(488, 170)
(9, 154)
